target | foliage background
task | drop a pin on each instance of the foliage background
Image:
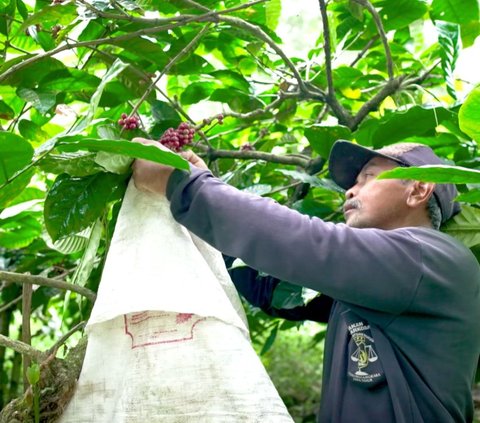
(378, 72)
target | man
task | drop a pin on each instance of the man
(402, 300)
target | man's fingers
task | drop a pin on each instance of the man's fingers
(194, 159)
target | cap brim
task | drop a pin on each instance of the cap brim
(347, 160)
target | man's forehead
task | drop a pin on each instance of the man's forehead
(382, 162)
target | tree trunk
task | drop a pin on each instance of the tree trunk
(56, 386)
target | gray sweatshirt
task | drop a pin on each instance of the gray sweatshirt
(403, 337)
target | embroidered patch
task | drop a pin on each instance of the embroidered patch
(364, 366)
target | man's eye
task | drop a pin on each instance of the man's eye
(369, 174)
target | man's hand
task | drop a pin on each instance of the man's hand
(153, 177)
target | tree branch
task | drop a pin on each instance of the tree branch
(165, 25)
(388, 89)
(370, 43)
(381, 32)
(169, 65)
(339, 111)
(256, 155)
(53, 283)
(53, 350)
(22, 348)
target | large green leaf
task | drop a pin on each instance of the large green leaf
(117, 67)
(75, 164)
(465, 226)
(400, 13)
(442, 174)
(31, 131)
(15, 154)
(126, 148)
(456, 11)
(469, 115)
(58, 13)
(462, 12)
(449, 40)
(73, 204)
(12, 190)
(287, 295)
(322, 138)
(42, 101)
(196, 92)
(397, 126)
(85, 267)
(19, 231)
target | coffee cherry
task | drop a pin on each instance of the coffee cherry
(220, 119)
(128, 123)
(176, 139)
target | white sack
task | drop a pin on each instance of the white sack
(168, 341)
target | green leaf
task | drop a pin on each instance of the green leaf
(465, 226)
(400, 13)
(456, 11)
(115, 163)
(126, 148)
(117, 67)
(75, 164)
(271, 339)
(42, 101)
(287, 296)
(449, 40)
(442, 174)
(73, 204)
(472, 196)
(14, 189)
(416, 121)
(33, 374)
(196, 92)
(232, 79)
(237, 100)
(85, 267)
(62, 14)
(469, 115)
(19, 231)
(15, 154)
(31, 131)
(162, 112)
(322, 138)
(72, 243)
(6, 112)
(312, 180)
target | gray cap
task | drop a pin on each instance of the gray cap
(347, 160)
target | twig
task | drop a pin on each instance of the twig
(340, 112)
(53, 283)
(258, 112)
(258, 155)
(169, 65)
(327, 48)
(11, 304)
(26, 334)
(53, 350)
(22, 348)
(370, 43)
(381, 32)
(293, 184)
(165, 25)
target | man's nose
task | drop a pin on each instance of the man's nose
(350, 193)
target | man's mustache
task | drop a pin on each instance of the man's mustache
(351, 204)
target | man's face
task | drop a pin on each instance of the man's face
(373, 203)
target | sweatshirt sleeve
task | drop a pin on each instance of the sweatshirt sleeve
(370, 268)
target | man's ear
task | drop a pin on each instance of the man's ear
(420, 193)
